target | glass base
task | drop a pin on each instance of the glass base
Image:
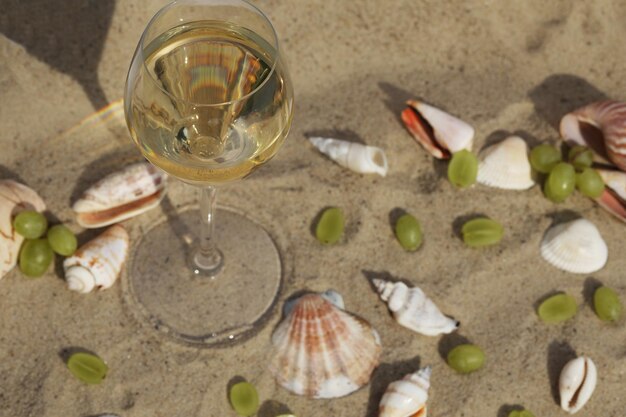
(195, 308)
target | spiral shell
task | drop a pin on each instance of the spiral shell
(413, 309)
(407, 397)
(576, 383)
(98, 263)
(14, 198)
(121, 195)
(505, 165)
(322, 351)
(354, 156)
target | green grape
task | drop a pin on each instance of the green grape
(558, 308)
(244, 399)
(482, 232)
(581, 157)
(463, 168)
(330, 226)
(35, 257)
(521, 413)
(590, 183)
(466, 358)
(30, 224)
(62, 240)
(409, 232)
(544, 157)
(607, 304)
(560, 183)
(87, 367)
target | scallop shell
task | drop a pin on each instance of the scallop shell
(575, 246)
(354, 156)
(438, 132)
(322, 351)
(576, 383)
(608, 116)
(97, 263)
(14, 198)
(121, 195)
(505, 165)
(407, 397)
(413, 309)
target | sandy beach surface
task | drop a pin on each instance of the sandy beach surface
(505, 67)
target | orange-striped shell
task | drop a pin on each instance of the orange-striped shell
(321, 351)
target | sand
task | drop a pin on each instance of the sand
(501, 66)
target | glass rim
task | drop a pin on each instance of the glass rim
(199, 2)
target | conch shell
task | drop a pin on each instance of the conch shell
(438, 132)
(505, 165)
(121, 195)
(407, 397)
(354, 156)
(608, 116)
(576, 383)
(322, 351)
(97, 263)
(413, 309)
(14, 198)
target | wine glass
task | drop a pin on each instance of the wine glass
(208, 99)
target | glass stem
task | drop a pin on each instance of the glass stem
(207, 258)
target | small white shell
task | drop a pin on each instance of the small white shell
(14, 198)
(98, 263)
(413, 309)
(354, 156)
(505, 165)
(613, 199)
(575, 247)
(121, 195)
(576, 383)
(407, 397)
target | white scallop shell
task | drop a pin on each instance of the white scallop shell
(443, 135)
(354, 156)
(321, 351)
(98, 263)
(576, 383)
(14, 198)
(505, 165)
(413, 309)
(575, 246)
(407, 397)
(121, 195)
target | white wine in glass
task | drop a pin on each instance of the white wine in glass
(208, 99)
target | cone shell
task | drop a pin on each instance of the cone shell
(407, 397)
(14, 198)
(438, 132)
(321, 351)
(505, 165)
(608, 116)
(121, 195)
(413, 309)
(354, 156)
(98, 263)
(575, 247)
(576, 383)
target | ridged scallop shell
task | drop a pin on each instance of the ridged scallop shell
(98, 263)
(608, 116)
(438, 132)
(121, 195)
(14, 198)
(613, 199)
(575, 246)
(413, 309)
(322, 351)
(354, 156)
(576, 383)
(407, 397)
(505, 165)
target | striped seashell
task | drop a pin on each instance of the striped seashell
(610, 118)
(121, 195)
(14, 198)
(320, 350)
(613, 199)
(354, 156)
(505, 165)
(407, 397)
